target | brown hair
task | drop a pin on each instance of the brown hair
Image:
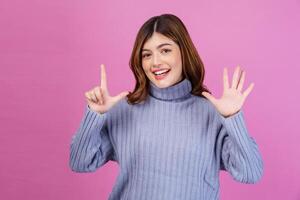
(172, 27)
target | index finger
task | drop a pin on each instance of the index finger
(103, 77)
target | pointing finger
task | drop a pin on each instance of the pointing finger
(103, 78)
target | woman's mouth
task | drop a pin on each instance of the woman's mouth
(161, 74)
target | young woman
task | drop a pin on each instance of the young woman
(170, 136)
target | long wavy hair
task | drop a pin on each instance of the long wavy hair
(172, 27)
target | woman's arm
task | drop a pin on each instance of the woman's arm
(240, 155)
(90, 146)
(239, 152)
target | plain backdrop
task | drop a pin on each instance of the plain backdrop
(50, 54)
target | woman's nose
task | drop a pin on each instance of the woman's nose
(156, 60)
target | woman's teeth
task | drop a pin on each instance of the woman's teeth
(161, 72)
(159, 75)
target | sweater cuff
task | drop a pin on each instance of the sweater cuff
(235, 125)
(97, 118)
(91, 119)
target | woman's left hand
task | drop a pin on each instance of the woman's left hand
(233, 98)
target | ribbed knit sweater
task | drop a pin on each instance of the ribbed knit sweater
(171, 147)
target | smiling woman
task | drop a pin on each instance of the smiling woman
(169, 140)
(163, 43)
(162, 61)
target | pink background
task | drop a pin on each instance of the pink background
(50, 54)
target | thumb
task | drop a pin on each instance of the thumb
(121, 96)
(209, 97)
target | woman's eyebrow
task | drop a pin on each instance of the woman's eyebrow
(159, 46)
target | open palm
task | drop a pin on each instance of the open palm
(233, 98)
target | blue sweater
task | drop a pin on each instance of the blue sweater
(171, 147)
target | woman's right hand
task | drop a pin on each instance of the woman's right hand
(98, 98)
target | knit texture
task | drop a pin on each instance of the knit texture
(171, 147)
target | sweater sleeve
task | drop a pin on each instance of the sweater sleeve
(240, 155)
(90, 146)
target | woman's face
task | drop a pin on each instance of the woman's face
(161, 54)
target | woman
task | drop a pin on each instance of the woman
(170, 136)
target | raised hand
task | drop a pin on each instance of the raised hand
(99, 99)
(233, 97)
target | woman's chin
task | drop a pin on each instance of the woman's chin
(163, 83)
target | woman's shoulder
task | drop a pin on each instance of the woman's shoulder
(120, 107)
(206, 105)
(203, 101)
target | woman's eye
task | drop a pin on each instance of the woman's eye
(145, 55)
(166, 50)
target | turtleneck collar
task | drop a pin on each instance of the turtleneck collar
(177, 91)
